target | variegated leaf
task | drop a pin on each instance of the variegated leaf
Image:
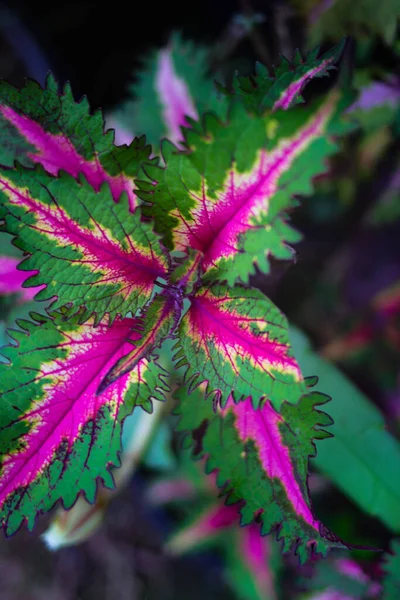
(88, 250)
(248, 554)
(159, 320)
(237, 341)
(48, 127)
(261, 91)
(252, 564)
(172, 86)
(204, 529)
(226, 197)
(79, 523)
(57, 436)
(261, 458)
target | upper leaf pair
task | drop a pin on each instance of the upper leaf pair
(226, 195)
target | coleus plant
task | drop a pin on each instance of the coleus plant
(131, 253)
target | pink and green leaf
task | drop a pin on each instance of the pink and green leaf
(378, 103)
(339, 579)
(282, 90)
(248, 553)
(79, 523)
(236, 340)
(204, 529)
(186, 275)
(158, 322)
(173, 85)
(261, 458)
(48, 127)
(57, 435)
(227, 196)
(87, 250)
(252, 564)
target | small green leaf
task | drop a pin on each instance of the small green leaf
(262, 91)
(158, 321)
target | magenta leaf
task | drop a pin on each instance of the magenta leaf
(88, 250)
(57, 436)
(255, 554)
(237, 341)
(204, 528)
(248, 554)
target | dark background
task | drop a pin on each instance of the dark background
(97, 49)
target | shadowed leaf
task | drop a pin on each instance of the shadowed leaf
(172, 86)
(261, 458)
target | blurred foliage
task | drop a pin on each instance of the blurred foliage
(391, 586)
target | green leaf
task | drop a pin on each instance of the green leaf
(261, 91)
(88, 250)
(341, 577)
(79, 523)
(378, 102)
(356, 458)
(359, 19)
(158, 321)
